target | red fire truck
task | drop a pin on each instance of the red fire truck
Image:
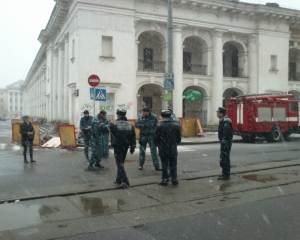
(273, 116)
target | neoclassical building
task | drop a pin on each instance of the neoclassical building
(220, 49)
(11, 100)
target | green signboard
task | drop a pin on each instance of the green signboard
(192, 95)
(167, 97)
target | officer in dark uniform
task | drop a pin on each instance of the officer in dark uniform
(147, 123)
(167, 136)
(105, 135)
(225, 134)
(122, 137)
(85, 127)
(27, 132)
(98, 129)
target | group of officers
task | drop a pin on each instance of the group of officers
(164, 135)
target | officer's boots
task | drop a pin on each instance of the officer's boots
(31, 159)
(25, 158)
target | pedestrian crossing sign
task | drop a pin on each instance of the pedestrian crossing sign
(99, 93)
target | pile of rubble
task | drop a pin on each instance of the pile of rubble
(49, 131)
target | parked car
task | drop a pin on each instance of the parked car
(2, 119)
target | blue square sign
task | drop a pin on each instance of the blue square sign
(99, 93)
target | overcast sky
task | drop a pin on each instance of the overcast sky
(20, 24)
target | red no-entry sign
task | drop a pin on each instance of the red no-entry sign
(93, 80)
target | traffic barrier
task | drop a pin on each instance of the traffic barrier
(67, 136)
(16, 136)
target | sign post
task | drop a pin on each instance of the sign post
(94, 81)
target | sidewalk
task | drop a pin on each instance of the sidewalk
(212, 137)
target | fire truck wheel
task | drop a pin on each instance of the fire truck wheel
(275, 135)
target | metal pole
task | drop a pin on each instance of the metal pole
(94, 100)
(170, 45)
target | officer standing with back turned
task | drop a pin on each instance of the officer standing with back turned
(122, 138)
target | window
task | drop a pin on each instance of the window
(10, 108)
(148, 58)
(147, 101)
(107, 46)
(16, 108)
(1, 99)
(187, 57)
(273, 62)
(16, 94)
(10, 94)
(21, 108)
(264, 114)
(10, 99)
(279, 114)
(1, 93)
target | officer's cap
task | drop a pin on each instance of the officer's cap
(221, 110)
(170, 110)
(86, 112)
(121, 112)
(25, 116)
(146, 109)
(165, 113)
(103, 112)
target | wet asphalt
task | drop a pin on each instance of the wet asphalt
(58, 198)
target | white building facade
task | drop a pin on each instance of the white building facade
(221, 49)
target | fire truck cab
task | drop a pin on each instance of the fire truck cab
(273, 116)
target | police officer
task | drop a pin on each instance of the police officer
(147, 123)
(27, 132)
(167, 136)
(225, 134)
(105, 135)
(122, 137)
(98, 128)
(85, 127)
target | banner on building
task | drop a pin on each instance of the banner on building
(168, 79)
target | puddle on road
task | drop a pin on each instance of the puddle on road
(94, 206)
(17, 215)
(260, 178)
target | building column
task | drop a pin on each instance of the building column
(66, 79)
(217, 74)
(206, 60)
(164, 51)
(8, 102)
(60, 81)
(243, 63)
(252, 65)
(177, 69)
(137, 54)
(19, 102)
(54, 86)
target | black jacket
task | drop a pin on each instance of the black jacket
(24, 129)
(167, 136)
(225, 132)
(122, 133)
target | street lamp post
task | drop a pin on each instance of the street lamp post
(170, 46)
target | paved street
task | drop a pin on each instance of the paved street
(58, 198)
